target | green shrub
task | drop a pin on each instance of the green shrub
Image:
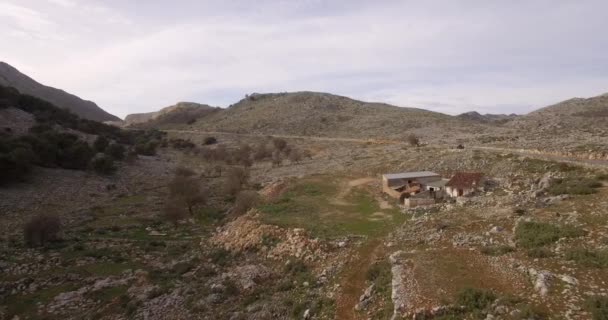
(209, 141)
(496, 250)
(101, 143)
(598, 306)
(220, 256)
(15, 160)
(588, 258)
(539, 253)
(116, 151)
(475, 299)
(103, 165)
(537, 234)
(576, 186)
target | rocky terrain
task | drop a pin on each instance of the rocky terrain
(181, 113)
(322, 242)
(11, 77)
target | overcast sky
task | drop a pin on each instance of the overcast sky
(447, 56)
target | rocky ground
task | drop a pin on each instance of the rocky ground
(323, 243)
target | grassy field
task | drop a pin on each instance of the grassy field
(317, 205)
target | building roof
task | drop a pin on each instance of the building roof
(410, 175)
(465, 180)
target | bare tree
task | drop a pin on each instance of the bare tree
(261, 152)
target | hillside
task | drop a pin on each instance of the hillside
(323, 114)
(476, 116)
(11, 77)
(180, 113)
(573, 114)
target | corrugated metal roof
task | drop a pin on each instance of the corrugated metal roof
(409, 175)
(437, 184)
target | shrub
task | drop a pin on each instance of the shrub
(475, 299)
(209, 141)
(413, 140)
(295, 156)
(536, 234)
(236, 178)
(277, 159)
(245, 200)
(174, 212)
(15, 161)
(279, 144)
(589, 258)
(103, 165)
(598, 306)
(539, 253)
(220, 256)
(496, 250)
(116, 151)
(147, 148)
(41, 229)
(187, 191)
(184, 172)
(577, 186)
(261, 152)
(181, 144)
(100, 144)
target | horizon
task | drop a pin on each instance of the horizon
(497, 58)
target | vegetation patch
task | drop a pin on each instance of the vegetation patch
(496, 250)
(589, 258)
(537, 234)
(598, 306)
(577, 186)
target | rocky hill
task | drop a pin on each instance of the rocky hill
(323, 114)
(11, 77)
(476, 116)
(573, 115)
(180, 113)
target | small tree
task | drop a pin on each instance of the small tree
(41, 229)
(261, 152)
(413, 140)
(187, 191)
(245, 200)
(236, 178)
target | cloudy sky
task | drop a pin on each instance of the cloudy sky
(447, 56)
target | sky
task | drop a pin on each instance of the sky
(490, 56)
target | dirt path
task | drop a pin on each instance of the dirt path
(352, 283)
(346, 187)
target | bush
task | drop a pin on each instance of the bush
(101, 143)
(295, 156)
(577, 186)
(413, 140)
(539, 253)
(475, 299)
(598, 306)
(103, 165)
(15, 161)
(209, 141)
(589, 258)
(147, 148)
(536, 234)
(41, 229)
(496, 250)
(279, 144)
(174, 212)
(245, 200)
(116, 151)
(181, 144)
(188, 191)
(236, 178)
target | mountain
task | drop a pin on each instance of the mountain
(323, 114)
(178, 114)
(576, 114)
(11, 77)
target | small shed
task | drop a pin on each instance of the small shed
(394, 184)
(464, 184)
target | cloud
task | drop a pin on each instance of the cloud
(446, 56)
